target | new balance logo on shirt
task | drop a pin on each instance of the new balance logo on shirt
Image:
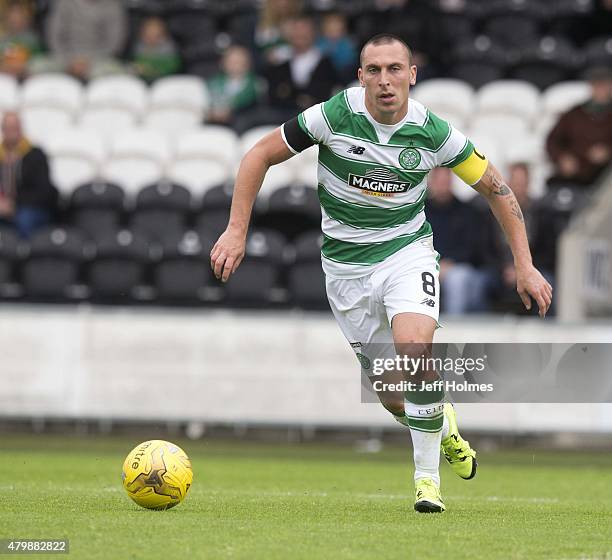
(356, 150)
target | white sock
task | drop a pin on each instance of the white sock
(424, 419)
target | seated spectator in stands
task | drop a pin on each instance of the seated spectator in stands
(155, 53)
(456, 239)
(307, 77)
(338, 46)
(27, 197)
(85, 37)
(234, 89)
(270, 33)
(580, 144)
(18, 41)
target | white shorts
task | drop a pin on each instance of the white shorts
(406, 282)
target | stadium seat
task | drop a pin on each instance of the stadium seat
(190, 26)
(119, 269)
(540, 74)
(107, 121)
(41, 123)
(123, 92)
(279, 175)
(563, 96)
(9, 93)
(76, 157)
(9, 258)
(97, 208)
(172, 121)
(252, 136)
(305, 165)
(503, 127)
(477, 74)
(512, 30)
(161, 208)
(448, 98)
(204, 158)
(256, 280)
(306, 280)
(181, 93)
(183, 274)
(215, 142)
(53, 267)
(291, 210)
(215, 209)
(598, 52)
(138, 158)
(58, 91)
(509, 97)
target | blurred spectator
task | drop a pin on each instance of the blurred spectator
(456, 239)
(580, 144)
(270, 33)
(338, 46)
(155, 53)
(85, 37)
(18, 41)
(27, 197)
(234, 89)
(307, 77)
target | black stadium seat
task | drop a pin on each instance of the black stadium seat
(97, 207)
(291, 211)
(53, 268)
(161, 208)
(184, 272)
(10, 252)
(256, 282)
(215, 210)
(306, 279)
(120, 267)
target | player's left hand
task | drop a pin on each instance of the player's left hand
(531, 284)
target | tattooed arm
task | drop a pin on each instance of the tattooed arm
(530, 283)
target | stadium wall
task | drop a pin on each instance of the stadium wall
(235, 368)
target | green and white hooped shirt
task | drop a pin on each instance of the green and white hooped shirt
(372, 177)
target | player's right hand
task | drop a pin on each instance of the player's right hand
(227, 253)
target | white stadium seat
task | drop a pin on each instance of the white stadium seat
(172, 121)
(252, 136)
(107, 121)
(9, 93)
(509, 97)
(502, 127)
(216, 142)
(58, 91)
(449, 99)
(563, 96)
(205, 157)
(118, 92)
(305, 166)
(76, 156)
(186, 93)
(278, 176)
(137, 157)
(199, 174)
(41, 123)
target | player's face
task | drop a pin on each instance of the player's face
(387, 75)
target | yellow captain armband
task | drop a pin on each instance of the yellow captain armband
(471, 169)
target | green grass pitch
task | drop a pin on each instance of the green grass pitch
(260, 501)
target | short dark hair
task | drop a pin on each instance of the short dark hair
(385, 39)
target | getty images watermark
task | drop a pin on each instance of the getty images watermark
(412, 366)
(492, 372)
